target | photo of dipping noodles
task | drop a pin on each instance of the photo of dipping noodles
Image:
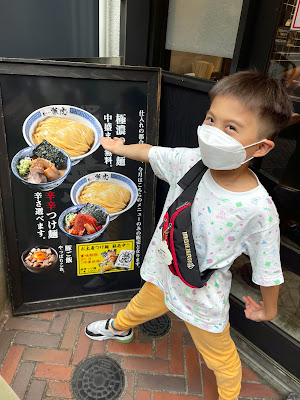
(112, 197)
(73, 137)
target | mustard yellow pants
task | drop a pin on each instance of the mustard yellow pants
(217, 349)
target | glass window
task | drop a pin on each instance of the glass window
(201, 36)
(288, 315)
(285, 57)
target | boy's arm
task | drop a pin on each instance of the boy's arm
(267, 310)
(138, 152)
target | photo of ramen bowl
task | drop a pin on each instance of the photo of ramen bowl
(39, 259)
(83, 224)
(36, 180)
(116, 193)
(72, 129)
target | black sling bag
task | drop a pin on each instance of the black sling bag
(177, 231)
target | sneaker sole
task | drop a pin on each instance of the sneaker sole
(118, 339)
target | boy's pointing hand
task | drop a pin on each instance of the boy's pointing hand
(113, 145)
(254, 311)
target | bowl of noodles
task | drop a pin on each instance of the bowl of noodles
(116, 193)
(69, 128)
(43, 167)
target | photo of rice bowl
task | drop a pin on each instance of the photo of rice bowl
(116, 193)
(39, 259)
(72, 129)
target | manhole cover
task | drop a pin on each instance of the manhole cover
(97, 378)
(293, 396)
(156, 327)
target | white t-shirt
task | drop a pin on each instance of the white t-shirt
(225, 224)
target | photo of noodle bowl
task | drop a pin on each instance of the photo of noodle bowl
(116, 193)
(72, 129)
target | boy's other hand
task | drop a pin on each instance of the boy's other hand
(113, 145)
(254, 311)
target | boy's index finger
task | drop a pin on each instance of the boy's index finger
(254, 304)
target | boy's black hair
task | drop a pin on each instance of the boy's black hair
(260, 93)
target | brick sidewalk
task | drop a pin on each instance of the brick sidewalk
(38, 354)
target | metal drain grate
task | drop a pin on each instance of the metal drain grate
(157, 327)
(97, 378)
(293, 396)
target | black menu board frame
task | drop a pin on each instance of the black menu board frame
(38, 70)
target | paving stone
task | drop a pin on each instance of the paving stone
(119, 306)
(149, 365)
(170, 396)
(176, 354)
(143, 395)
(50, 371)
(98, 347)
(91, 317)
(22, 324)
(59, 389)
(71, 331)
(36, 390)
(47, 355)
(141, 349)
(162, 347)
(210, 390)
(34, 316)
(144, 338)
(22, 378)
(161, 382)
(129, 388)
(59, 321)
(249, 375)
(37, 339)
(258, 390)
(193, 373)
(179, 326)
(11, 363)
(187, 339)
(6, 339)
(82, 347)
(47, 315)
(105, 308)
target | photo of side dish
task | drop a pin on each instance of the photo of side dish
(69, 128)
(39, 259)
(42, 167)
(84, 222)
(114, 262)
(116, 193)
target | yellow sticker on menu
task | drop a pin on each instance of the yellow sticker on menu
(105, 257)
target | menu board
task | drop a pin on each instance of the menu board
(58, 256)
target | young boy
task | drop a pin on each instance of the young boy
(231, 214)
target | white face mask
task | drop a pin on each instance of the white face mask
(220, 151)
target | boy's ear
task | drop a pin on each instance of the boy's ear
(264, 148)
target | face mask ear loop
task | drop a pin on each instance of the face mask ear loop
(247, 160)
(253, 144)
(250, 146)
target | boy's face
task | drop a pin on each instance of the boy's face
(231, 116)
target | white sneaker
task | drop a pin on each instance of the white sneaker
(102, 330)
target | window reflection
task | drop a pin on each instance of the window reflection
(285, 59)
(201, 36)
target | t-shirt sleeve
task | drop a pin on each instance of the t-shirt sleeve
(263, 250)
(169, 164)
